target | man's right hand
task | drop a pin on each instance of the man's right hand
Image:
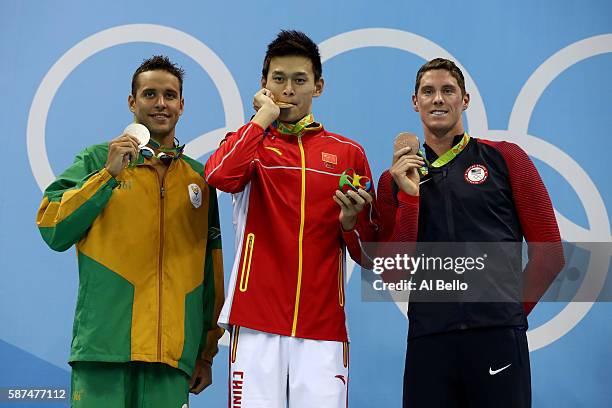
(405, 170)
(267, 110)
(120, 150)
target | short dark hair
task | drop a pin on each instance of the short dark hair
(293, 43)
(441, 63)
(158, 62)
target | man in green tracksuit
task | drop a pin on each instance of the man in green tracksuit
(146, 229)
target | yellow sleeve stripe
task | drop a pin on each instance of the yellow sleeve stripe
(52, 213)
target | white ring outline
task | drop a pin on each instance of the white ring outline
(149, 33)
(597, 215)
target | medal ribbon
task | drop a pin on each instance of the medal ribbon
(446, 157)
(297, 128)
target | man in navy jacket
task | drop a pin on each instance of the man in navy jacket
(469, 353)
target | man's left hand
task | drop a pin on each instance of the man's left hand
(351, 204)
(202, 376)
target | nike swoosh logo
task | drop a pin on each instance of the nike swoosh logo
(493, 372)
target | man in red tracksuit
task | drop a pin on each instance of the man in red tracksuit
(285, 303)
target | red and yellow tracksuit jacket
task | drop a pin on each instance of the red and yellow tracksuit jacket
(149, 255)
(289, 271)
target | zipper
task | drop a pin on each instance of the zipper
(162, 195)
(340, 280)
(450, 222)
(300, 237)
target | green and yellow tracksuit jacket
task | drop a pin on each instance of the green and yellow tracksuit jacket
(149, 255)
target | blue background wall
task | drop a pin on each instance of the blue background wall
(539, 75)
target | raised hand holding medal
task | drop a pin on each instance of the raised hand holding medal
(121, 151)
(142, 134)
(407, 162)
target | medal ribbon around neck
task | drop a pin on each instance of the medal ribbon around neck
(446, 157)
(296, 128)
